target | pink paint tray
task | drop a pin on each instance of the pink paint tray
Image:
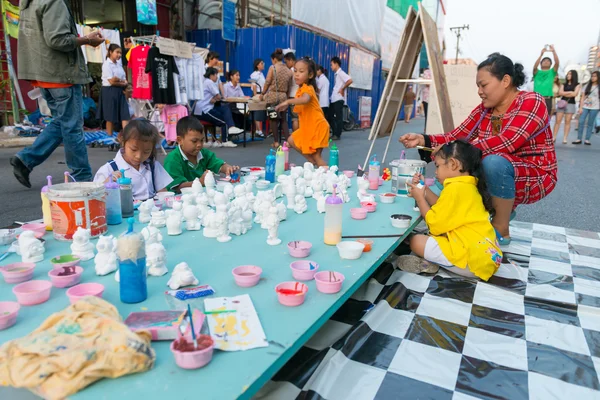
(163, 325)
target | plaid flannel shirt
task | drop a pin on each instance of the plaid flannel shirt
(534, 160)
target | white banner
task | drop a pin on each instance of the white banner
(360, 69)
(391, 30)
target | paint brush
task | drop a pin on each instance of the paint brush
(189, 311)
(219, 312)
(373, 236)
(425, 148)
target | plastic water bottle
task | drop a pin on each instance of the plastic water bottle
(374, 167)
(126, 195)
(333, 218)
(334, 156)
(133, 287)
(46, 205)
(279, 162)
(286, 152)
(270, 167)
(113, 203)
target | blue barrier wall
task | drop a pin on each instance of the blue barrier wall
(254, 43)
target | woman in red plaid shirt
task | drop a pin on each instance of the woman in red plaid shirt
(512, 130)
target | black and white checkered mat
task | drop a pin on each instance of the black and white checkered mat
(531, 332)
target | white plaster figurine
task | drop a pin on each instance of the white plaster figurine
(182, 275)
(210, 225)
(221, 218)
(273, 227)
(281, 211)
(31, 249)
(300, 205)
(321, 202)
(156, 259)
(191, 214)
(363, 185)
(145, 209)
(209, 180)
(197, 187)
(290, 194)
(235, 223)
(105, 261)
(151, 235)
(268, 202)
(202, 204)
(81, 246)
(159, 219)
(173, 223)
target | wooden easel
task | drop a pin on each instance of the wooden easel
(419, 27)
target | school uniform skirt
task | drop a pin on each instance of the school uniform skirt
(113, 105)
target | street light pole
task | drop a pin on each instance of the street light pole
(457, 31)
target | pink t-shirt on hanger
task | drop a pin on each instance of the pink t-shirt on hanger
(170, 115)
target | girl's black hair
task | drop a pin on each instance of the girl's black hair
(141, 129)
(277, 55)
(312, 69)
(588, 88)
(290, 56)
(470, 158)
(256, 63)
(211, 71)
(574, 78)
(499, 66)
(111, 47)
(211, 55)
(322, 69)
(231, 73)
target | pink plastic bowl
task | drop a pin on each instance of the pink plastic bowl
(17, 272)
(291, 300)
(66, 280)
(67, 260)
(32, 292)
(192, 359)
(358, 213)
(329, 281)
(299, 248)
(301, 270)
(8, 313)
(246, 275)
(37, 227)
(349, 173)
(80, 291)
(370, 206)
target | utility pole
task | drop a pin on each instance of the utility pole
(457, 31)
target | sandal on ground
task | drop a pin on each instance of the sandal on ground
(416, 265)
(504, 241)
(564, 142)
(588, 142)
(576, 142)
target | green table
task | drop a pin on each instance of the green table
(230, 375)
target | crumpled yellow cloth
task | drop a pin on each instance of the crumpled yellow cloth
(73, 348)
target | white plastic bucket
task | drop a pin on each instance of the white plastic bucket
(403, 170)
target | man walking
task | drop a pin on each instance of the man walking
(50, 57)
(338, 97)
(543, 79)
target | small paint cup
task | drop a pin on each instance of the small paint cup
(262, 184)
(401, 221)
(8, 313)
(246, 275)
(82, 290)
(358, 213)
(329, 281)
(67, 260)
(350, 250)
(299, 248)
(193, 359)
(349, 173)
(304, 270)
(7, 236)
(387, 198)
(63, 281)
(36, 227)
(368, 244)
(163, 195)
(32, 292)
(291, 299)
(370, 206)
(17, 272)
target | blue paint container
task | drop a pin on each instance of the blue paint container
(133, 287)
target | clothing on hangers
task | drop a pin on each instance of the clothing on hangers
(181, 81)
(170, 115)
(195, 74)
(141, 81)
(162, 67)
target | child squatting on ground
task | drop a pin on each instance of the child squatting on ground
(190, 160)
(462, 239)
(137, 157)
(313, 135)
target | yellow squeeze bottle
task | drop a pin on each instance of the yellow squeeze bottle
(46, 205)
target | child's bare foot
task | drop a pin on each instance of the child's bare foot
(416, 265)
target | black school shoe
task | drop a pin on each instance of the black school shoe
(21, 171)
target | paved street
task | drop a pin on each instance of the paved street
(573, 204)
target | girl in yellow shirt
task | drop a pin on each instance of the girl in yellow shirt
(462, 238)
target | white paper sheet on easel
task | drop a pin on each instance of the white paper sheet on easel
(239, 330)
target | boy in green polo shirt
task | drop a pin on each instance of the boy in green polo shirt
(189, 160)
(543, 78)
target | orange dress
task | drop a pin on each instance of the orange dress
(313, 133)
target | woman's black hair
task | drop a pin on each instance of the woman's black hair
(574, 78)
(231, 73)
(141, 129)
(111, 47)
(211, 71)
(588, 88)
(499, 65)
(322, 69)
(256, 63)
(290, 56)
(312, 69)
(470, 157)
(277, 55)
(212, 55)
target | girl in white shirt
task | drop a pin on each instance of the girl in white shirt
(113, 107)
(259, 78)
(233, 89)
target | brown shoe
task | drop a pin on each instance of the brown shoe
(416, 265)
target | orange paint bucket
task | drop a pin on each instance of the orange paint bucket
(77, 204)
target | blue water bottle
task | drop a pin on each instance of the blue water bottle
(132, 266)
(334, 156)
(270, 167)
(113, 203)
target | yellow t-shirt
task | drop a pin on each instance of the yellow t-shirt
(460, 224)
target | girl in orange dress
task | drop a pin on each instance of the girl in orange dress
(313, 135)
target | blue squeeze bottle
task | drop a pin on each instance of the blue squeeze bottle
(113, 203)
(270, 167)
